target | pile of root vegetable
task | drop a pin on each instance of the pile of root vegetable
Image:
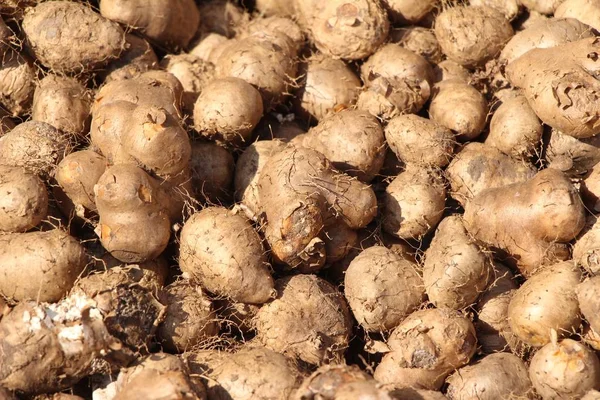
(299, 199)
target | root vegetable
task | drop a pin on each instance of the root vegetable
(530, 221)
(250, 373)
(587, 246)
(530, 317)
(23, 200)
(299, 184)
(209, 47)
(212, 172)
(544, 34)
(227, 111)
(478, 167)
(419, 141)
(193, 73)
(134, 226)
(493, 330)
(52, 36)
(397, 81)
(35, 146)
(352, 140)
(189, 319)
(567, 369)
(541, 6)
(509, 8)
(449, 70)
(382, 288)
(472, 35)
(413, 203)
(469, 120)
(221, 17)
(327, 85)
(137, 57)
(261, 63)
(515, 129)
(456, 271)
(587, 295)
(547, 84)
(408, 12)
(497, 376)
(76, 176)
(570, 155)
(363, 23)
(326, 380)
(69, 336)
(232, 264)
(40, 266)
(17, 83)
(426, 347)
(248, 171)
(63, 103)
(157, 141)
(171, 24)
(308, 320)
(585, 11)
(419, 40)
(130, 311)
(152, 88)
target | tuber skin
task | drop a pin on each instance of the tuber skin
(36, 146)
(309, 320)
(76, 175)
(493, 329)
(397, 81)
(252, 372)
(170, 24)
(544, 34)
(326, 85)
(456, 271)
(420, 141)
(531, 320)
(213, 169)
(44, 269)
(363, 23)
(468, 121)
(382, 288)
(63, 103)
(134, 225)
(299, 184)
(17, 83)
(419, 40)
(52, 36)
(472, 35)
(585, 250)
(541, 215)
(409, 12)
(227, 111)
(232, 264)
(587, 296)
(352, 140)
(425, 348)
(248, 170)
(23, 200)
(563, 370)
(478, 167)
(327, 379)
(573, 156)
(413, 203)
(496, 376)
(190, 319)
(137, 57)
(515, 129)
(547, 84)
